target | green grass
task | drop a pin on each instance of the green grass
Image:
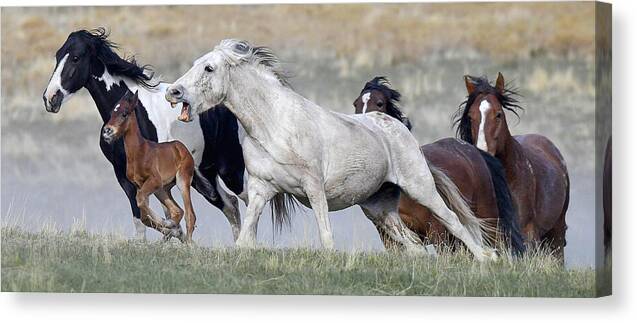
(55, 261)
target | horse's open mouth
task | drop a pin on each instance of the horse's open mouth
(185, 112)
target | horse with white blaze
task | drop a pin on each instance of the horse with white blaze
(87, 60)
(326, 160)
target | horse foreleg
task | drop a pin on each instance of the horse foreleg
(217, 196)
(316, 195)
(388, 242)
(259, 193)
(175, 213)
(230, 209)
(131, 193)
(382, 210)
(147, 215)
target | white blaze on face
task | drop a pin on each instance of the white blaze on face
(56, 81)
(365, 98)
(482, 142)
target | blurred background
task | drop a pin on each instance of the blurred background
(53, 173)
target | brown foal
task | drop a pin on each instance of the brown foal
(154, 168)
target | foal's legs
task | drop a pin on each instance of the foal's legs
(147, 215)
(175, 213)
(118, 160)
(184, 180)
(259, 193)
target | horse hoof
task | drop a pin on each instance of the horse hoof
(170, 223)
(140, 237)
(491, 255)
(242, 244)
(431, 251)
(415, 250)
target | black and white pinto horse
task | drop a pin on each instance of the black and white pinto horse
(87, 60)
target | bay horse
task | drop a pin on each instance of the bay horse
(535, 169)
(325, 160)
(87, 60)
(154, 168)
(479, 176)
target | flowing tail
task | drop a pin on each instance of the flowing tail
(281, 205)
(508, 217)
(456, 202)
(204, 186)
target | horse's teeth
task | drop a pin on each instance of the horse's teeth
(172, 104)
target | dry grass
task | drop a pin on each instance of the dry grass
(54, 261)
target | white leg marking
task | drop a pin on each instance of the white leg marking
(55, 83)
(140, 229)
(482, 142)
(365, 98)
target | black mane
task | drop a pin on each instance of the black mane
(482, 86)
(380, 83)
(104, 50)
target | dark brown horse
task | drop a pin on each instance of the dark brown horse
(535, 169)
(479, 177)
(154, 168)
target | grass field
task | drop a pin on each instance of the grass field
(55, 261)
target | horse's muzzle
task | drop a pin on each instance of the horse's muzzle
(108, 134)
(53, 104)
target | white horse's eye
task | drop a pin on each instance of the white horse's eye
(209, 68)
(241, 48)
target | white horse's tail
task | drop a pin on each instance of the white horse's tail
(455, 201)
(281, 205)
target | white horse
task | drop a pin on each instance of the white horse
(327, 160)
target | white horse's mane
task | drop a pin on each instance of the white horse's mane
(236, 52)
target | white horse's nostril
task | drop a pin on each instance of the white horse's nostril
(175, 92)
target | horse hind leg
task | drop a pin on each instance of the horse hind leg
(385, 238)
(555, 239)
(208, 185)
(382, 210)
(184, 181)
(416, 180)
